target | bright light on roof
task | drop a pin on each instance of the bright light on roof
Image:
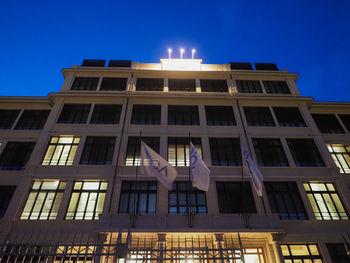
(181, 64)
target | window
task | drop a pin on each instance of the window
(32, 120)
(214, 85)
(98, 151)
(87, 200)
(134, 146)
(327, 123)
(146, 114)
(8, 117)
(138, 197)
(61, 150)
(258, 116)
(106, 114)
(337, 252)
(341, 156)
(284, 198)
(74, 113)
(325, 201)
(269, 152)
(178, 150)
(44, 200)
(183, 115)
(185, 199)
(6, 193)
(225, 152)
(75, 254)
(232, 200)
(305, 152)
(345, 118)
(248, 86)
(118, 84)
(220, 116)
(289, 117)
(85, 83)
(16, 155)
(277, 87)
(182, 85)
(301, 253)
(148, 84)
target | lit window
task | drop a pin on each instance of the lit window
(87, 200)
(305, 152)
(85, 83)
(325, 201)
(61, 150)
(32, 120)
(78, 254)
(225, 152)
(8, 117)
(301, 253)
(341, 156)
(220, 116)
(44, 200)
(178, 150)
(327, 123)
(183, 115)
(98, 150)
(258, 116)
(269, 152)
(134, 146)
(16, 155)
(146, 114)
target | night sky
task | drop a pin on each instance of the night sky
(311, 38)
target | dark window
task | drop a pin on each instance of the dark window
(214, 85)
(93, 63)
(185, 199)
(183, 115)
(327, 123)
(265, 66)
(277, 87)
(182, 85)
(289, 117)
(98, 151)
(232, 199)
(284, 198)
(338, 253)
(258, 116)
(248, 86)
(134, 146)
(220, 115)
(106, 114)
(6, 193)
(148, 84)
(178, 150)
(345, 118)
(225, 152)
(114, 84)
(241, 65)
(269, 152)
(301, 253)
(74, 113)
(16, 155)
(305, 152)
(120, 63)
(85, 83)
(146, 114)
(32, 120)
(7, 118)
(138, 197)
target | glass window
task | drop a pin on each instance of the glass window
(118, 84)
(74, 113)
(345, 118)
(269, 152)
(248, 86)
(183, 115)
(75, 254)
(32, 120)
(7, 118)
(16, 155)
(138, 197)
(305, 152)
(44, 200)
(284, 198)
(289, 117)
(182, 84)
(327, 123)
(233, 198)
(258, 116)
(225, 152)
(98, 150)
(185, 199)
(277, 87)
(87, 200)
(337, 252)
(325, 201)
(341, 156)
(85, 83)
(61, 150)
(298, 253)
(134, 146)
(106, 114)
(214, 85)
(220, 116)
(148, 84)
(146, 114)
(178, 150)
(6, 193)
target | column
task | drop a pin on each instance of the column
(276, 240)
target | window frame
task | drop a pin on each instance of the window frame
(12, 155)
(268, 148)
(146, 114)
(344, 163)
(301, 148)
(249, 86)
(214, 151)
(276, 87)
(97, 116)
(185, 115)
(90, 82)
(208, 85)
(7, 122)
(144, 84)
(327, 123)
(134, 146)
(259, 116)
(120, 82)
(290, 257)
(223, 112)
(80, 116)
(174, 83)
(90, 152)
(282, 117)
(182, 147)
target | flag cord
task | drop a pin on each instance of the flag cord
(137, 173)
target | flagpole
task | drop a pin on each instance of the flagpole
(135, 212)
(190, 215)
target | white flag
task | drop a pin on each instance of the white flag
(152, 164)
(255, 174)
(199, 171)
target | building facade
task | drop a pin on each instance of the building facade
(71, 189)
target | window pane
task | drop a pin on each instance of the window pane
(85, 83)
(8, 118)
(178, 150)
(269, 152)
(214, 85)
(118, 84)
(146, 114)
(225, 152)
(182, 85)
(106, 114)
(220, 115)
(148, 84)
(98, 151)
(277, 87)
(258, 116)
(134, 146)
(16, 155)
(183, 115)
(32, 120)
(248, 86)
(74, 113)
(289, 117)
(305, 152)
(327, 123)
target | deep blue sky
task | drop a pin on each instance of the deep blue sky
(39, 38)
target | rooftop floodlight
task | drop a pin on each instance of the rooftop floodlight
(193, 51)
(182, 51)
(169, 52)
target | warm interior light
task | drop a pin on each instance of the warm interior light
(181, 64)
